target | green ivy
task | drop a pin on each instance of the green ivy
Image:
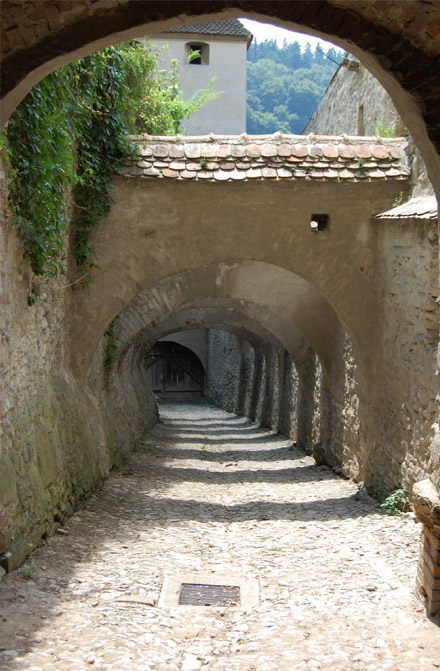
(69, 133)
(39, 150)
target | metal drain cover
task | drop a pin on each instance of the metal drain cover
(209, 589)
(194, 594)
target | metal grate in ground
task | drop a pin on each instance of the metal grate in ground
(194, 594)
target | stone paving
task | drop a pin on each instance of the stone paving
(208, 492)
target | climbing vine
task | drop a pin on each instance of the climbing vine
(38, 146)
(69, 134)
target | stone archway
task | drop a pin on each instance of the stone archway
(398, 43)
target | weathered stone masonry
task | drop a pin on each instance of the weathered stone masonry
(329, 416)
(187, 252)
(398, 42)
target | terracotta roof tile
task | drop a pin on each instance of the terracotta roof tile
(314, 150)
(238, 174)
(238, 151)
(193, 166)
(284, 149)
(330, 151)
(276, 157)
(363, 151)
(135, 170)
(160, 150)
(224, 150)
(145, 150)
(177, 165)
(188, 174)
(167, 172)
(151, 172)
(192, 150)
(210, 150)
(177, 151)
(253, 173)
(283, 172)
(253, 150)
(299, 150)
(268, 149)
(421, 207)
(346, 151)
(221, 175)
(380, 152)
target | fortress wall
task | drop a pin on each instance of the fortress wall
(58, 438)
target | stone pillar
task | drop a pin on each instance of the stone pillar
(307, 401)
(427, 509)
(287, 417)
(257, 386)
(269, 406)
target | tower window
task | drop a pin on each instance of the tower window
(197, 53)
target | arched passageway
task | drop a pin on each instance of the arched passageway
(302, 307)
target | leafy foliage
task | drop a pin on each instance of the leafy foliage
(285, 85)
(70, 131)
(39, 149)
(384, 127)
(397, 502)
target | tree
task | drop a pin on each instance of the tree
(284, 85)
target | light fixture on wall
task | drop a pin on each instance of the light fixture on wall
(318, 222)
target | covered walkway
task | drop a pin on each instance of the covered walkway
(211, 494)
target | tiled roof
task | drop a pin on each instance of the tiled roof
(227, 27)
(417, 208)
(268, 157)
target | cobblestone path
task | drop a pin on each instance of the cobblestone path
(209, 492)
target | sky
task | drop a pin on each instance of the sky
(265, 31)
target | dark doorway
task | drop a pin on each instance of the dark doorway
(176, 373)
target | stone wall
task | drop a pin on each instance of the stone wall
(318, 411)
(59, 437)
(407, 341)
(244, 378)
(402, 381)
(225, 369)
(287, 416)
(354, 103)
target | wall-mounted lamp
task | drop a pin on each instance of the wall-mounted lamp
(318, 222)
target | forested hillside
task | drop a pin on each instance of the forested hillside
(285, 85)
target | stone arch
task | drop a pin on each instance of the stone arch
(176, 303)
(400, 48)
(180, 226)
(284, 305)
